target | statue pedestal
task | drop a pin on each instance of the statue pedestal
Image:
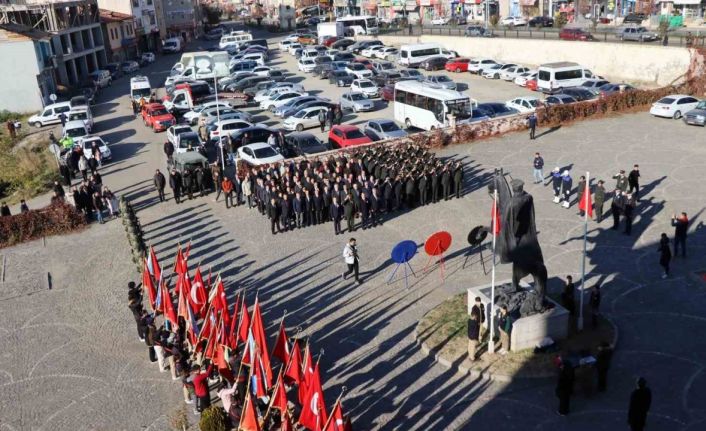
(526, 331)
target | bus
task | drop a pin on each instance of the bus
(413, 55)
(355, 25)
(419, 105)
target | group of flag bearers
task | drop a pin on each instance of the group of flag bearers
(236, 346)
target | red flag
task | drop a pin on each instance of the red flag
(586, 205)
(245, 322)
(193, 326)
(198, 296)
(148, 285)
(219, 359)
(281, 349)
(256, 371)
(495, 219)
(335, 422)
(307, 372)
(293, 372)
(248, 420)
(168, 306)
(153, 265)
(313, 412)
(232, 332)
(279, 398)
(218, 300)
(286, 422)
(348, 425)
(258, 331)
(177, 260)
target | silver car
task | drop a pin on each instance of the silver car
(640, 34)
(441, 81)
(356, 102)
(380, 129)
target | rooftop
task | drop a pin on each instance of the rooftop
(16, 32)
(112, 16)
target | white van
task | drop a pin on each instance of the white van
(50, 114)
(140, 88)
(173, 44)
(412, 55)
(555, 76)
(234, 40)
(82, 113)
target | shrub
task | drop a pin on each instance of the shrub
(52, 220)
(494, 20)
(179, 420)
(213, 419)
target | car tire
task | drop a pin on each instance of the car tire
(677, 115)
(37, 124)
(300, 127)
(408, 123)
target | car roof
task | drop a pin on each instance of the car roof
(380, 120)
(74, 123)
(346, 128)
(92, 138)
(257, 145)
(190, 157)
(154, 106)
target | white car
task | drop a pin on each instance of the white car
(440, 21)
(511, 73)
(293, 47)
(193, 116)
(512, 21)
(306, 65)
(673, 106)
(278, 100)
(387, 51)
(491, 72)
(478, 65)
(147, 57)
(87, 144)
(225, 127)
(284, 45)
(522, 78)
(262, 70)
(365, 86)
(175, 131)
(129, 66)
(259, 153)
(257, 57)
(294, 37)
(523, 104)
(359, 70)
(370, 51)
(304, 118)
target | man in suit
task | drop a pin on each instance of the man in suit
(273, 213)
(336, 212)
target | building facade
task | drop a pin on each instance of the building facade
(144, 18)
(119, 35)
(31, 53)
(75, 29)
(180, 18)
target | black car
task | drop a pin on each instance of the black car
(242, 84)
(541, 21)
(580, 94)
(634, 18)
(494, 110)
(387, 78)
(322, 70)
(434, 63)
(255, 134)
(361, 45)
(342, 44)
(254, 42)
(341, 78)
(343, 56)
(276, 75)
(114, 69)
(303, 143)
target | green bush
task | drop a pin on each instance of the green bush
(52, 220)
(213, 419)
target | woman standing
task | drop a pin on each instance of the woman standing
(665, 254)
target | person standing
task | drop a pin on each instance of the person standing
(23, 207)
(594, 302)
(349, 213)
(628, 211)
(568, 296)
(621, 181)
(201, 390)
(83, 167)
(422, 190)
(336, 212)
(599, 200)
(159, 183)
(665, 254)
(634, 182)
(505, 327)
(98, 206)
(446, 182)
(566, 189)
(285, 211)
(330, 117)
(216, 176)
(616, 207)
(175, 185)
(338, 115)
(169, 152)
(538, 165)
(350, 257)
(458, 179)
(5, 210)
(532, 122)
(200, 184)
(474, 329)
(298, 207)
(681, 225)
(187, 178)
(640, 402)
(603, 357)
(556, 184)
(581, 190)
(322, 120)
(565, 387)
(227, 187)
(273, 214)
(364, 211)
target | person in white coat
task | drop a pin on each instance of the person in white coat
(350, 256)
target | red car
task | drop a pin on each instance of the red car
(388, 93)
(346, 136)
(574, 34)
(531, 84)
(457, 65)
(365, 62)
(156, 116)
(329, 40)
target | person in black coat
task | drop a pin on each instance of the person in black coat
(169, 151)
(364, 211)
(681, 227)
(285, 212)
(273, 212)
(175, 184)
(376, 204)
(565, 387)
(5, 210)
(640, 402)
(159, 183)
(458, 178)
(422, 189)
(446, 182)
(617, 206)
(388, 194)
(318, 205)
(628, 212)
(92, 165)
(665, 254)
(434, 185)
(298, 207)
(188, 180)
(398, 193)
(58, 189)
(349, 213)
(200, 180)
(409, 191)
(336, 213)
(603, 358)
(634, 182)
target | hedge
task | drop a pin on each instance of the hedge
(54, 219)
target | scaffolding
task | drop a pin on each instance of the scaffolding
(52, 16)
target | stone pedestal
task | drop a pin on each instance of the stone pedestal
(526, 331)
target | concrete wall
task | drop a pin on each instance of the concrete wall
(21, 93)
(635, 63)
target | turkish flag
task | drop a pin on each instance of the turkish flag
(168, 306)
(232, 332)
(258, 331)
(313, 412)
(293, 372)
(219, 359)
(181, 303)
(148, 285)
(307, 372)
(197, 294)
(286, 422)
(335, 422)
(495, 219)
(281, 349)
(153, 265)
(586, 204)
(279, 398)
(248, 420)
(245, 322)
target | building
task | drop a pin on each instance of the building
(30, 53)
(144, 18)
(76, 36)
(180, 18)
(119, 33)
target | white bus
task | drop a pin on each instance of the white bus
(554, 76)
(355, 25)
(428, 108)
(412, 55)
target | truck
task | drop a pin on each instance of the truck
(325, 29)
(140, 88)
(187, 95)
(202, 65)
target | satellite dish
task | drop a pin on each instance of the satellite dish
(52, 97)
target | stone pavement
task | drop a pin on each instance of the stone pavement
(70, 358)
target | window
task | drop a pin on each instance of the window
(568, 74)
(135, 3)
(400, 96)
(424, 52)
(149, 2)
(686, 100)
(46, 113)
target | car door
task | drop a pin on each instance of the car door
(686, 104)
(311, 119)
(248, 154)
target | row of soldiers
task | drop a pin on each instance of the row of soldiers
(366, 183)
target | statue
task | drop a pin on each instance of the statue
(517, 244)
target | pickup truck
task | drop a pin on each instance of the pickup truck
(182, 100)
(156, 116)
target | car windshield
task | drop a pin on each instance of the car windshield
(533, 102)
(356, 66)
(158, 112)
(354, 134)
(357, 96)
(300, 114)
(78, 131)
(460, 108)
(186, 141)
(387, 66)
(141, 92)
(443, 78)
(365, 84)
(389, 126)
(412, 72)
(78, 116)
(310, 142)
(264, 152)
(701, 105)
(666, 100)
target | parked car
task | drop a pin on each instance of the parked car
(383, 66)
(575, 34)
(513, 21)
(594, 85)
(370, 51)
(215, 34)
(259, 153)
(227, 127)
(192, 117)
(674, 106)
(559, 99)
(147, 57)
(330, 40)
(579, 93)
(522, 78)
(342, 44)
(478, 65)
(696, 116)
(386, 53)
(174, 131)
(434, 63)
(307, 39)
(492, 72)
(304, 118)
(412, 74)
(531, 84)
(634, 18)
(477, 31)
(101, 78)
(440, 81)
(523, 104)
(343, 56)
(511, 72)
(387, 78)
(359, 71)
(356, 102)
(345, 135)
(87, 144)
(306, 65)
(187, 142)
(365, 86)
(75, 129)
(322, 70)
(50, 114)
(129, 67)
(280, 99)
(293, 105)
(457, 65)
(608, 89)
(541, 21)
(341, 78)
(441, 20)
(365, 62)
(293, 47)
(303, 144)
(380, 129)
(387, 93)
(114, 70)
(639, 34)
(494, 110)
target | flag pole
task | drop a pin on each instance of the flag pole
(269, 404)
(586, 198)
(338, 401)
(491, 341)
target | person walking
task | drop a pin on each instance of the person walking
(640, 402)
(532, 122)
(665, 254)
(175, 185)
(628, 211)
(350, 257)
(169, 152)
(217, 180)
(322, 120)
(336, 212)
(565, 387)
(200, 180)
(330, 117)
(634, 182)
(227, 187)
(681, 226)
(603, 358)
(599, 200)
(83, 167)
(556, 184)
(538, 165)
(505, 327)
(159, 183)
(594, 302)
(581, 190)
(338, 116)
